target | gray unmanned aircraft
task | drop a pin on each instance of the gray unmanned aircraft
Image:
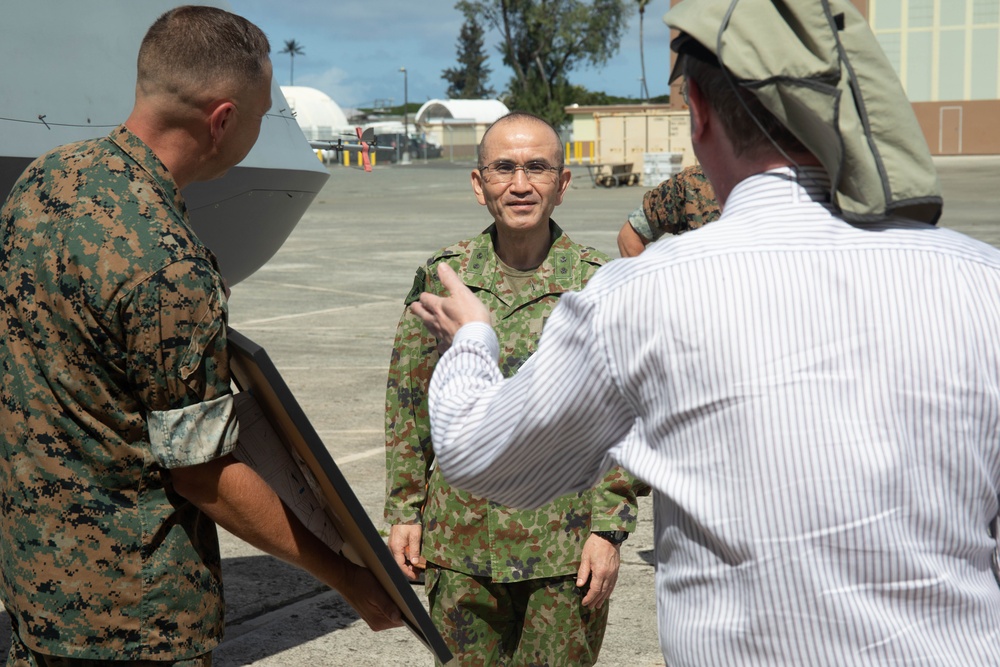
(69, 74)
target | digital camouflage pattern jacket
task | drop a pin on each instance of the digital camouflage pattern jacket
(463, 532)
(113, 312)
(683, 202)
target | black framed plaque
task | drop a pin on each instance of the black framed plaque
(253, 372)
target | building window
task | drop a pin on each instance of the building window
(985, 69)
(941, 49)
(886, 14)
(919, 62)
(951, 65)
(920, 14)
(952, 13)
(985, 11)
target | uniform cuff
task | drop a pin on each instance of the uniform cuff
(479, 332)
(196, 434)
(637, 219)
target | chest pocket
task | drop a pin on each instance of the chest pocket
(519, 333)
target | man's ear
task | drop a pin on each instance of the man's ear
(699, 110)
(477, 186)
(564, 178)
(220, 117)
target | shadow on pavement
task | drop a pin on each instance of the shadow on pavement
(259, 584)
(272, 607)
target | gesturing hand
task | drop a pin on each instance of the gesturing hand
(444, 316)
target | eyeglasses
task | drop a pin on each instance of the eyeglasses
(502, 171)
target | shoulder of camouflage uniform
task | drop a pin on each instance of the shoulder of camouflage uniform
(700, 196)
(426, 275)
(52, 162)
(592, 255)
(693, 172)
(695, 179)
(587, 254)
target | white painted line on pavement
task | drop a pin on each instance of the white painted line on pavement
(377, 451)
(315, 288)
(281, 318)
(287, 369)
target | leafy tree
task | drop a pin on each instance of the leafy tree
(292, 48)
(583, 97)
(542, 41)
(468, 81)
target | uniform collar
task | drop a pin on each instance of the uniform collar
(555, 275)
(144, 156)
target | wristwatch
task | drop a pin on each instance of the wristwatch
(613, 536)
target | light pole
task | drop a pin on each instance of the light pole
(405, 157)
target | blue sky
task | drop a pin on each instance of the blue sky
(353, 50)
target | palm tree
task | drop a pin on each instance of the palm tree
(642, 55)
(293, 49)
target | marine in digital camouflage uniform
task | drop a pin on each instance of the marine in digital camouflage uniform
(104, 278)
(681, 203)
(467, 534)
(116, 414)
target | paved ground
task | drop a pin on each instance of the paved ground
(325, 309)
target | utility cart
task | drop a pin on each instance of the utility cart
(611, 175)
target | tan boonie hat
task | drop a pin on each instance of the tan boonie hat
(816, 65)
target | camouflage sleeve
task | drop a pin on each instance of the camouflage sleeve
(683, 202)
(175, 328)
(664, 208)
(662, 211)
(408, 452)
(639, 222)
(614, 505)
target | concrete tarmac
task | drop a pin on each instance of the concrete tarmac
(325, 309)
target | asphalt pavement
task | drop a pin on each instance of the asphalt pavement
(325, 309)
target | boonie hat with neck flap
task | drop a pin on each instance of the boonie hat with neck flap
(816, 65)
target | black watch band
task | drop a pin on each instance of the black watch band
(613, 536)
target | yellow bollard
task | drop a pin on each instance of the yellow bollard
(373, 154)
(347, 158)
(578, 152)
(567, 152)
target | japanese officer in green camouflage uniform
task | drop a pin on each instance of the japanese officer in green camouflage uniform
(116, 413)
(682, 202)
(505, 586)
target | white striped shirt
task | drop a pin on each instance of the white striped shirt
(817, 406)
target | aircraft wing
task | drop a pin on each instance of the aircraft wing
(80, 84)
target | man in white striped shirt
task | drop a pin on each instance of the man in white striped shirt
(818, 411)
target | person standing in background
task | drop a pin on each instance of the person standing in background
(504, 586)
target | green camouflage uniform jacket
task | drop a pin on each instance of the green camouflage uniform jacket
(683, 202)
(115, 370)
(463, 532)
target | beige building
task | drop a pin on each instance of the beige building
(630, 139)
(946, 53)
(622, 133)
(458, 125)
(947, 56)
